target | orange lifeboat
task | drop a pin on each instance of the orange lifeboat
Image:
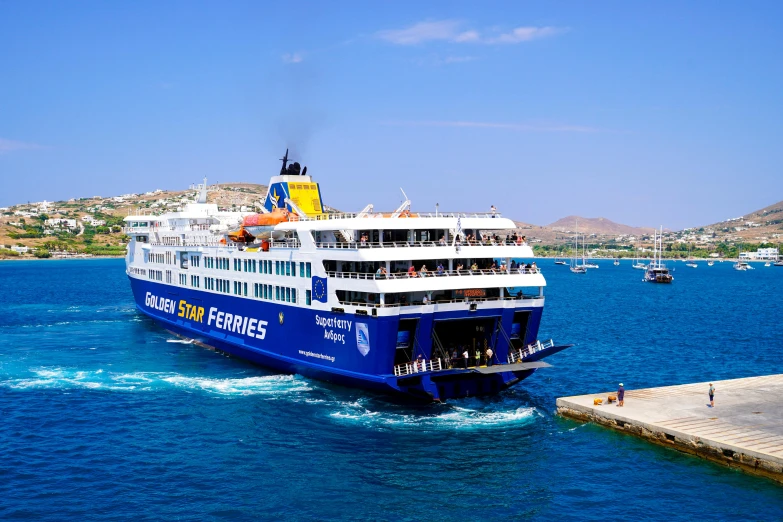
(278, 215)
(262, 226)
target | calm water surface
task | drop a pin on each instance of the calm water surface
(105, 416)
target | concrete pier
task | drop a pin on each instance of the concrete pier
(744, 430)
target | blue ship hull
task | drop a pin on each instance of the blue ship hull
(352, 350)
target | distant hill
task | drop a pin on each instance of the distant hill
(600, 226)
(765, 224)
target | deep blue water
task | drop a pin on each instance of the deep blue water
(103, 417)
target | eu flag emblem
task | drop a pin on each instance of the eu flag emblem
(319, 289)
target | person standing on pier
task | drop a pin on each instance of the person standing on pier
(620, 395)
(712, 396)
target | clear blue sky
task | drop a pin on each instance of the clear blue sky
(646, 113)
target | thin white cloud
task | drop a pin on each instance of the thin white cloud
(524, 127)
(524, 34)
(292, 58)
(422, 32)
(455, 32)
(7, 146)
(458, 59)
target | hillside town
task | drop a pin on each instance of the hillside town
(92, 226)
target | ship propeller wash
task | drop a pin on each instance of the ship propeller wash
(426, 305)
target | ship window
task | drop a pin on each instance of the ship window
(308, 269)
(293, 268)
(308, 297)
(287, 295)
(277, 267)
(293, 295)
(288, 268)
(244, 289)
(277, 293)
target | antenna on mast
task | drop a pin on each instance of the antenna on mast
(284, 159)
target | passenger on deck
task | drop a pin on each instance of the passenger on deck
(493, 210)
(459, 267)
(442, 241)
(420, 364)
(474, 266)
(494, 266)
(440, 268)
(534, 267)
(423, 272)
(412, 271)
(490, 353)
(465, 358)
(363, 240)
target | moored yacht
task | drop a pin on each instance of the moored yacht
(403, 302)
(657, 272)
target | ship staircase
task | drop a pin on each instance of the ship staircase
(439, 350)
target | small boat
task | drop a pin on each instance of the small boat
(690, 262)
(710, 263)
(559, 261)
(590, 265)
(616, 262)
(767, 264)
(639, 266)
(742, 266)
(778, 263)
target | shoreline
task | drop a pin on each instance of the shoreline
(69, 258)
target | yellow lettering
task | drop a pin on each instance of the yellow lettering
(200, 317)
(181, 309)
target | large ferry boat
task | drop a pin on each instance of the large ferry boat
(430, 306)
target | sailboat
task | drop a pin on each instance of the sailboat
(691, 263)
(584, 254)
(575, 268)
(637, 263)
(559, 260)
(656, 270)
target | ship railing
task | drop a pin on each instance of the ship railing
(421, 366)
(521, 297)
(430, 274)
(405, 214)
(523, 353)
(355, 245)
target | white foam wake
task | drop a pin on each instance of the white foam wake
(63, 378)
(450, 417)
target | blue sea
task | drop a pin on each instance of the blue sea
(105, 416)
